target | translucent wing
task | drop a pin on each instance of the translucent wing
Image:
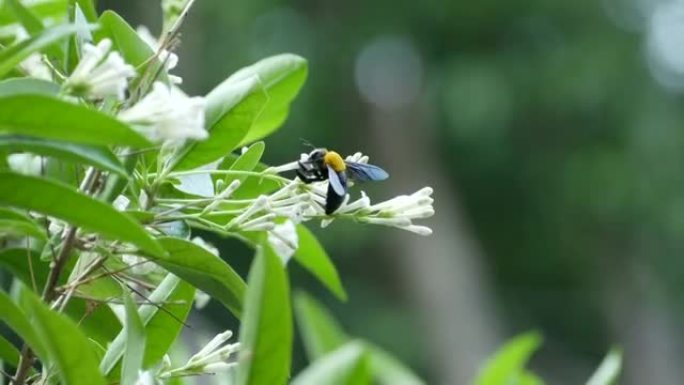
(363, 172)
(335, 182)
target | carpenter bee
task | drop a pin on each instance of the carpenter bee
(328, 165)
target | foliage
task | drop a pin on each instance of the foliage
(108, 170)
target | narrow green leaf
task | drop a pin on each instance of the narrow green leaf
(25, 16)
(14, 223)
(27, 86)
(99, 323)
(266, 331)
(55, 9)
(15, 54)
(68, 348)
(8, 352)
(87, 7)
(161, 329)
(135, 342)
(387, 370)
(608, 372)
(232, 108)
(245, 162)
(13, 228)
(508, 363)
(311, 255)
(134, 49)
(97, 156)
(320, 332)
(16, 319)
(347, 365)
(205, 271)
(63, 202)
(282, 76)
(57, 119)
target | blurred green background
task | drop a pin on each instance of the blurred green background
(552, 133)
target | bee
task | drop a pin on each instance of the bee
(322, 164)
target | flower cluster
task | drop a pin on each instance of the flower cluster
(299, 202)
(397, 212)
(213, 358)
(101, 73)
(167, 114)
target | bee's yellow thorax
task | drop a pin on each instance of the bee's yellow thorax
(334, 160)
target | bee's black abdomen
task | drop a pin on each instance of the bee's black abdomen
(332, 201)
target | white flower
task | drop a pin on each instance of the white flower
(139, 265)
(284, 240)
(167, 57)
(146, 378)
(212, 358)
(34, 66)
(205, 245)
(121, 203)
(100, 73)
(27, 164)
(201, 299)
(167, 114)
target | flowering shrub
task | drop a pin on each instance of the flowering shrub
(107, 166)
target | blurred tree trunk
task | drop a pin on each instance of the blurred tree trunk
(643, 323)
(443, 272)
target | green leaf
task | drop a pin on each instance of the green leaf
(311, 255)
(25, 16)
(13, 223)
(244, 162)
(27, 86)
(387, 370)
(63, 202)
(50, 118)
(13, 228)
(87, 7)
(266, 330)
(134, 49)
(161, 329)
(608, 372)
(97, 156)
(205, 271)
(99, 323)
(68, 348)
(320, 332)
(16, 319)
(135, 343)
(232, 108)
(16, 53)
(282, 76)
(8, 352)
(16, 261)
(507, 365)
(347, 365)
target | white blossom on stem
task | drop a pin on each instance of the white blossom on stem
(283, 240)
(214, 357)
(100, 73)
(25, 163)
(167, 114)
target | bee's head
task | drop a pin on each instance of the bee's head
(317, 154)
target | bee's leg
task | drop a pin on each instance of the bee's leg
(307, 177)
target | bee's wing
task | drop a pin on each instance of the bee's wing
(363, 172)
(335, 182)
